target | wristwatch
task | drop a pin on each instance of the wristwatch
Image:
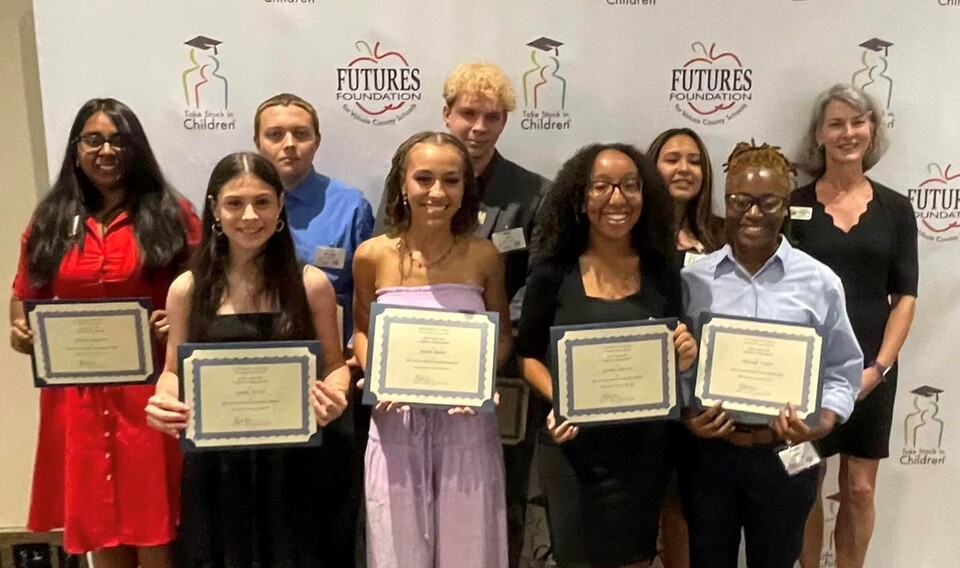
(881, 368)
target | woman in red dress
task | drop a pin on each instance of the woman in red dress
(110, 227)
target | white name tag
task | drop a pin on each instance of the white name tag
(329, 257)
(691, 257)
(799, 458)
(801, 213)
(509, 240)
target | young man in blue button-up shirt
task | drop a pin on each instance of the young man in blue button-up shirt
(329, 219)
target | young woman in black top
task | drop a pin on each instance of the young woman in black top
(605, 255)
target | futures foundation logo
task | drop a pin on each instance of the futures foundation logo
(712, 87)
(872, 77)
(923, 429)
(936, 202)
(544, 88)
(206, 91)
(378, 86)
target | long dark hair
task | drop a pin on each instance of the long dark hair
(397, 213)
(282, 281)
(698, 215)
(150, 202)
(564, 227)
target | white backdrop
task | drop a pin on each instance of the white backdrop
(618, 75)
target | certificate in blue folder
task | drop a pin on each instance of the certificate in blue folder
(249, 395)
(431, 357)
(614, 372)
(91, 342)
(754, 367)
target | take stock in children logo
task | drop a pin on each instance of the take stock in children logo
(923, 429)
(544, 88)
(936, 203)
(378, 86)
(873, 78)
(712, 87)
(206, 89)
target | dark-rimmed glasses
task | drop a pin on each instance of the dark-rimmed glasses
(742, 202)
(94, 141)
(631, 188)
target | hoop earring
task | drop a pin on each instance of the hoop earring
(217, 228)
(280, 225)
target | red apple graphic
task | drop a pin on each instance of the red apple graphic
(710, 58)
(373, 58)
(943, 178)
(944, 174)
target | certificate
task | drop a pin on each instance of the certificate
(614, 372)
(431, 357)
(91, 342)
(512, 410)
(244, 395)
(757, 366)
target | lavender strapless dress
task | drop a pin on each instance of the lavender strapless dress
(434, 482)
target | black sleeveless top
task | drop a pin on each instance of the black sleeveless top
(254, 508)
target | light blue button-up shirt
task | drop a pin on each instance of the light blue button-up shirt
(792, 287)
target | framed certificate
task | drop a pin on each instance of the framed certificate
(755, 367)
(245, 395)
(91, 342)
(614, 372)
(431, 357)
(512, 410)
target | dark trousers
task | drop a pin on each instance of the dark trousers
(727, 488)
(517, 460)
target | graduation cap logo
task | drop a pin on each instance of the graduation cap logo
(202, 76)
(928, 392)
(546, 44)
(204, 43)
(544, 73)
(877, 44)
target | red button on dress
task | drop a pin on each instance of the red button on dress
(101, 473)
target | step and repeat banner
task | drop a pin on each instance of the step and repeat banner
(584, 71)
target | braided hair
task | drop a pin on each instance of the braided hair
(749, 155)
(746, 155)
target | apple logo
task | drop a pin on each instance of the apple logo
(942, 177)
(707, 58)
(373, 59)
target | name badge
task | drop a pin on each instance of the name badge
(329, 257)
(801, 213)
(509, 240)
(691, 257)
(799, 458)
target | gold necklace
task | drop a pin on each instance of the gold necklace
(404, 249)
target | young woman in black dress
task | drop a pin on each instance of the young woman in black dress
(867, 234)
(268, 507)
(606, 255)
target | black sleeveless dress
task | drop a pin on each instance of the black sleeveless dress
(270, 508)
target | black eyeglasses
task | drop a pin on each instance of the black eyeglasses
(94, 141)
(742, 202)
(603, 189)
